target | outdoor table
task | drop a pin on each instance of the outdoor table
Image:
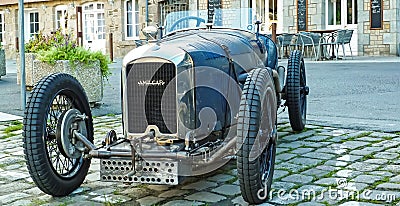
(322, 32)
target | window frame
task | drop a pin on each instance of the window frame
(64, 14)
(343, 11)
(135, 22)
(30, 34)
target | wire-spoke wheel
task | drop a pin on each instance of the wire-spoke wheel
(56, 170)
(257, 136)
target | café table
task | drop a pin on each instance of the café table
(322, 32)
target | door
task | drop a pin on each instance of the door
(94, 36)
(1, 28)
(342, 14)
(266, 11)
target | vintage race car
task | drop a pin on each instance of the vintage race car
(203, 92)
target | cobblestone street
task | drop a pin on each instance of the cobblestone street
(320, 166)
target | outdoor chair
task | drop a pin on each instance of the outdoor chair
(308, 39)
(286, 40)
(340, 37)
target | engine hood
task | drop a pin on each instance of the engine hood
(155, 50)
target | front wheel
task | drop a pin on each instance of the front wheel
(257, 136)
(53, 156)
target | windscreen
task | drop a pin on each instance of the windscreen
(226, 18)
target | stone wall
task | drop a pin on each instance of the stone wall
(315, 17)
(9, 37)
(202, 4)
(289, 16)
(382, 41)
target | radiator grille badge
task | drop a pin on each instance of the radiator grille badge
(151, 83)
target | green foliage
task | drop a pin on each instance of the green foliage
(76, 54)
(13, 128)
(231, 181)
(59, 46)
(42, 42)
(8, 131)
(7, 135)
(16, 122)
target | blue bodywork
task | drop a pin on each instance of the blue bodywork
(212, 65)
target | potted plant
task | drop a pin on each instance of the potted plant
(2, 61)
(38, 43)
(60, 53)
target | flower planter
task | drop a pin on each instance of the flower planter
(89, 75)
(2, 63)
(29, 58)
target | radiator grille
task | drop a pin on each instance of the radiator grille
(146, 84)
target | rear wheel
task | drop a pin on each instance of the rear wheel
(53, 156)
(296, 91)
(256, 136)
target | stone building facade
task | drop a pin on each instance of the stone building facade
(91, 22)
(350, 14)
(380, 41)
(94, 22)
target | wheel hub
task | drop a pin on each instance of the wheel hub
(305, 90)
(69, 146)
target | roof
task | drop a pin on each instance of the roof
(8, 2)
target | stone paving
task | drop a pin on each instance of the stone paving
(320, 166)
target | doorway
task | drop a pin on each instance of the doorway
(342, 14)
(267, 12)
(94, 36)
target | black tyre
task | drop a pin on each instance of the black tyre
(257, 136)
(296, 91)
(50, 168)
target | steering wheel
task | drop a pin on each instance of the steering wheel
(187, 18)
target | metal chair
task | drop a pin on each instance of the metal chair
(340, 37)
(346, 40)
(308, 39)
(285, 40)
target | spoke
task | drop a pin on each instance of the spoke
(62, 165)
(57, 163)
(65, 166)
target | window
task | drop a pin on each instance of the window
(33, 24)
(352, 12)
(132, 19)
(1, 27)
(101, 31)
(61, 17)
(94, 22)
(341, 12)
